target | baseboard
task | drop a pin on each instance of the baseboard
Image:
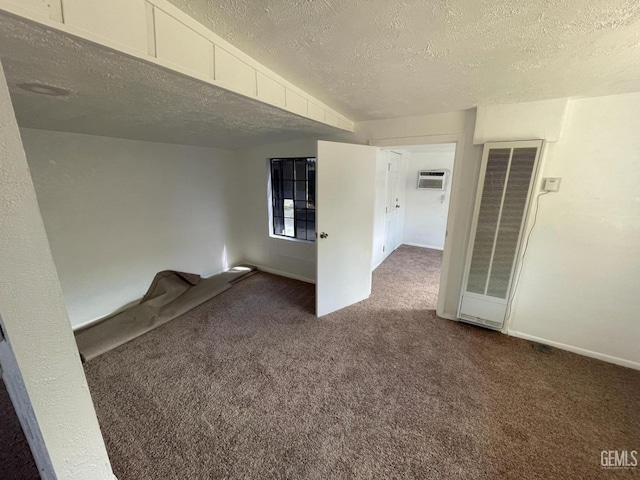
(378, 264)
(89, 323)
(283, 274)
(432, 247)
(447, 316)
(580, 351)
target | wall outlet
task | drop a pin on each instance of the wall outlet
(551, 184)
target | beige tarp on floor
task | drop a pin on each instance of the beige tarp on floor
(170, 295)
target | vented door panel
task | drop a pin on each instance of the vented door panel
(492, 192)
(511, 219)
(508, 174)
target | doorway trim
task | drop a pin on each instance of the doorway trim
(454, 207)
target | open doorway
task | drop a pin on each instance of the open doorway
(413, 193)
(427, 194)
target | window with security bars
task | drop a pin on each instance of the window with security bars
(293, 197)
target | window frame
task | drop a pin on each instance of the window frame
(272, 199)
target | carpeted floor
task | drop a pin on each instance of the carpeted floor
(252, 385)
(16, 461)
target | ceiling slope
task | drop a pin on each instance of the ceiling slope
(119, 96)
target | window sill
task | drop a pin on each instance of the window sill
(290, 239)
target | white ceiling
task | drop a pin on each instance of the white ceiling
(118, 96)
(373, 59)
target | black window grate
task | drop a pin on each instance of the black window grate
(293, 196)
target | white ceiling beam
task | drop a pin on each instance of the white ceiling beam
(158, 32)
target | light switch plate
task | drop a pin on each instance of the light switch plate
(551, 184)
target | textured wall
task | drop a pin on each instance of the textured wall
(291, 257)
(36, 323)
(118, 211)
(581, 273)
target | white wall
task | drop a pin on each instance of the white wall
(441, 128)
(40, 362)
(581, 275)
(118, 211)
(279, 255)
(522, 121)
(425, 217)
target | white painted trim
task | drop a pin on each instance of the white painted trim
(283, 273)
(421, 245)
(379, 263)
(386, 255)
(419, 140)
(288, 239)
(580, 351)
(205, 32)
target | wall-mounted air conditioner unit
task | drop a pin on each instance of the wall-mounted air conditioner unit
(432, 179)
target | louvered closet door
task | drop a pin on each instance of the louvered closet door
(507, 177)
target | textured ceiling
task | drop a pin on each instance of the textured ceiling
(373, 59)
(117, 96)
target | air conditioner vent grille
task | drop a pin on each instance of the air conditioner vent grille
(432, 179)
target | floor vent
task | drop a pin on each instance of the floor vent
(481, 321)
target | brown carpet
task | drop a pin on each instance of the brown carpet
(252, 385)
(16, 461)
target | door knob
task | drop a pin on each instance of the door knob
(324, 235)
(397, 206)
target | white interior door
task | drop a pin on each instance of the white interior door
(401, 195)
(392, 208)
(345, 199)
(380, 215)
